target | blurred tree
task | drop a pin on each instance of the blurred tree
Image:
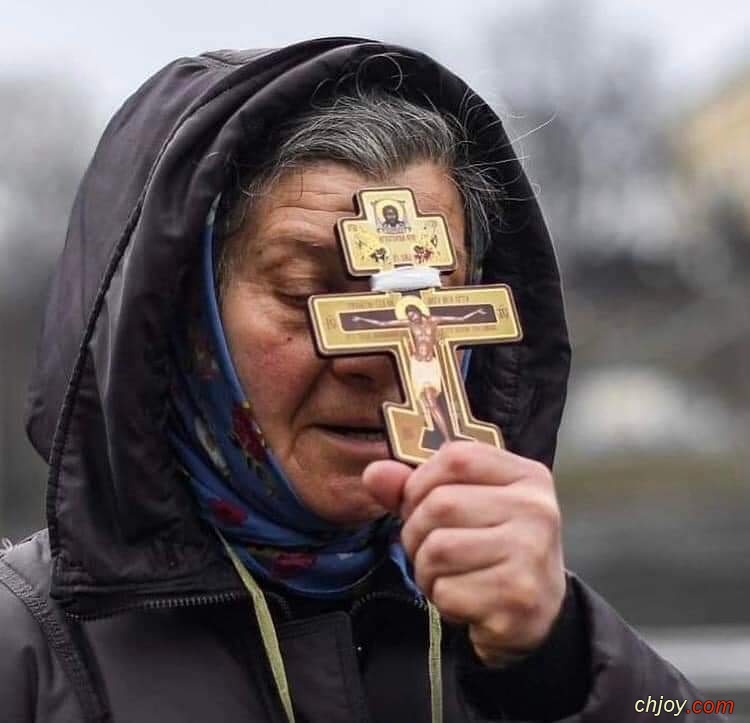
(47, 134)
(597, 129)
(584, 97)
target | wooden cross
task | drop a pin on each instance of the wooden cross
(422, 329)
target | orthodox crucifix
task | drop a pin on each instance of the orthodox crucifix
(421, 325)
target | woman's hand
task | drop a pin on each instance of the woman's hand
(482, 528)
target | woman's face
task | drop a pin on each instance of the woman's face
(320, 416)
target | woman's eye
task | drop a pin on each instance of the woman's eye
(297, 301)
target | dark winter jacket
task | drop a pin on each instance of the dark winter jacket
(126, 609)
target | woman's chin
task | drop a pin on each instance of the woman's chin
(343, 501)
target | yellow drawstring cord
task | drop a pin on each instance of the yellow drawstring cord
(435, 660)
(267, 630)
(273, 652)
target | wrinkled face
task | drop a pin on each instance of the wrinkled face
(320, 416)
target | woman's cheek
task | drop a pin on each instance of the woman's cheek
(277, 373)
(276, 358)
(273, 352)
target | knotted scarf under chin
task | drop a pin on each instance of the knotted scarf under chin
(240, 487)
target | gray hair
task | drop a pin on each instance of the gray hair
(377, 134)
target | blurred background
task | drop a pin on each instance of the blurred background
(633, 119)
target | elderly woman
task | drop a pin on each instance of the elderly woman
(227, 537)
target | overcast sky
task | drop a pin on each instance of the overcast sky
(113, 47)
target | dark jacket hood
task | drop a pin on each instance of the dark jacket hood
(121, 520)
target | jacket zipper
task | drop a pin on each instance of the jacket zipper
(177, 602)
(389, 595)
(187, 601)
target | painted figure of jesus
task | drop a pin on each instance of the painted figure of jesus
(424, 365)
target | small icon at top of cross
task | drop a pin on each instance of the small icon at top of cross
(390, 233)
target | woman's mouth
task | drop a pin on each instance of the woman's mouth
(363, 433)
(366, 442)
